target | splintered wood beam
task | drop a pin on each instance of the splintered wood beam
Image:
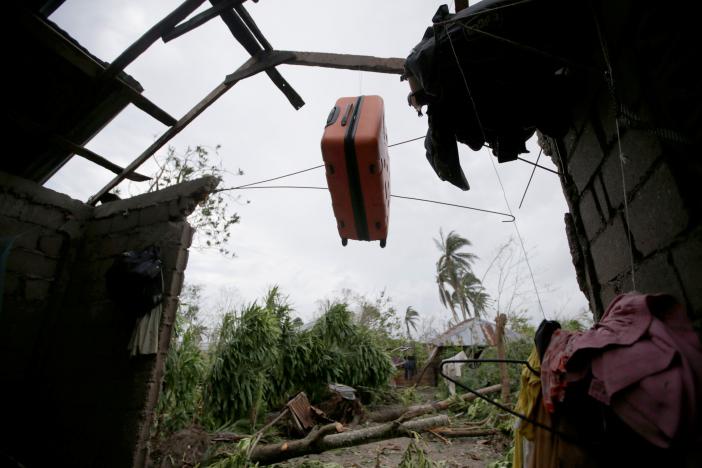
(368, 63)
(246, 38)
(151, 36)
(199, 20)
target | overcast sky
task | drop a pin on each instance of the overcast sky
(289, 237)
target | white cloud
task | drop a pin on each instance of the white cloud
(288, 237)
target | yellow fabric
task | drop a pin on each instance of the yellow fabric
(529, 393)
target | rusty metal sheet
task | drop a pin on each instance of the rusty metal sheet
(300, 408)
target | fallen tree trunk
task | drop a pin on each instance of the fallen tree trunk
(418, 410)
(323, 439)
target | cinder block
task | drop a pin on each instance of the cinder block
(36, 290)
(99, 227)
(590, 214)
(640, 150)
(687, 258)
(51, 245)
(11, 205)
(154, 214)
(31, 262)
(44, 216)
(657, 213)
(657, 275)
(124, 221)
(602, 198)
(610, 251)
(586, 158)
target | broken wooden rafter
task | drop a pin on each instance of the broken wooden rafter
(242, 33)
(198, 20)
(263, 61)
(51, 38)
(96, 158)
(391, 65)
(151, 36)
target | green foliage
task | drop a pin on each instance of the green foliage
(212, 218)
(409, 396)
(233, 457)
(181, 398)
(416, 457)
(259, 359)
(505, 461)
(245, 356)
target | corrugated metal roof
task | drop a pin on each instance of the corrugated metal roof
(472, 332)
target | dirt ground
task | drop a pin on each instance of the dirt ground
(458, 453)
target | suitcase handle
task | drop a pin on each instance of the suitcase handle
(333, 115)
(347, 113)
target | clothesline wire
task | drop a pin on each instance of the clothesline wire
(405, 197)
(504, 193)
(530, 177)
(612, 90)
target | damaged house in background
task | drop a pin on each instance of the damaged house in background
(609, 86)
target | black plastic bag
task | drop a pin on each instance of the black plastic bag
(134, 281)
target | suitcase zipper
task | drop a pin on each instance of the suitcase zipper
(359, 209)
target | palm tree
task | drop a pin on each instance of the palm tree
(452, 266)
(473, 292)
(411, 316)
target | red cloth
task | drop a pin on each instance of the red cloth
(645, 361)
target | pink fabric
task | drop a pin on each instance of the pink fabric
(645, 361)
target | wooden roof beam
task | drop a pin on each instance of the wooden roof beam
(242, 32)
(199, 20)
(151, 36)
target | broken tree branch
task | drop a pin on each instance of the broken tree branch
(323, 439)
(409, 412)
(463, 432)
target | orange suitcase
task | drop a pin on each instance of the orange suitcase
(355, 153)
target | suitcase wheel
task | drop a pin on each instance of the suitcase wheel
(344, 241)
(382, 243)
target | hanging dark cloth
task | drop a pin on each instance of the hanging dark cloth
(491, 75)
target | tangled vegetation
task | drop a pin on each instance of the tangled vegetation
(260, 357)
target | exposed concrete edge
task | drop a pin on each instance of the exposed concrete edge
(196, 190)
(35, 192)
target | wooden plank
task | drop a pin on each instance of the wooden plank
(246, 38)
(151, 36)
(206, 102)
(199, 20)
(253, 27)
(391, 65)
(258, 63)
(56, 42)
(96, 158)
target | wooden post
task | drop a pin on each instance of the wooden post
(500, 324)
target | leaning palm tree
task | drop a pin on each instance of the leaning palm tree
(473, 292)
(452, 265)
(411, 316)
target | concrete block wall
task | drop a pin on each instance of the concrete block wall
(659, 139)
(64, 343)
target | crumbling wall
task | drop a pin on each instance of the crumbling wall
(64, 343)
(657, 105)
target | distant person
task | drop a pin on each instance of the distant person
(410, 367)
